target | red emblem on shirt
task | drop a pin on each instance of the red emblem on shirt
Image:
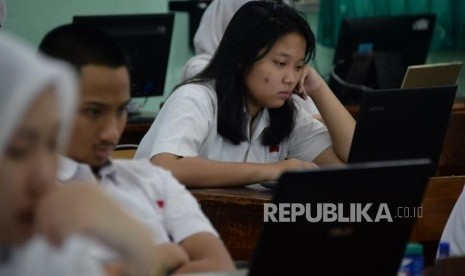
(274, 149)
(160, 203)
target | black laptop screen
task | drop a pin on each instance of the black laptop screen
(340, 240)
(402, 124)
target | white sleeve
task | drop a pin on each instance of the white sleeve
(182, 214)
(79, 259)
(73, 258)
(182, 124)
(308, 105)
(309, 138)
(454, 231)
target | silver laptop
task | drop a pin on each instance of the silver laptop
(432, 75)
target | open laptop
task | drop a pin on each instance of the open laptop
(432, 75)
(353, 247)
(399, 124)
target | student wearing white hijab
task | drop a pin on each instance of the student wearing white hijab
(39, 220)
(208, 36)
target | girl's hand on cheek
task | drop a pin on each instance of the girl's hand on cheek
(309, 82)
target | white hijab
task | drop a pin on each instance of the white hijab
(23, 75)
(213, 24)
(208, 36)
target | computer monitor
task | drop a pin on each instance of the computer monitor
(392, 42)
(396, 124)
(145, 40)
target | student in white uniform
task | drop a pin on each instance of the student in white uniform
(454, 232)
(211, 28)
(183, 237)
(46, 229)
(208, 36)
(235, 123)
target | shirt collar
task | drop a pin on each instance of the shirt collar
(69, 170)
(108, 170)
(261, 122)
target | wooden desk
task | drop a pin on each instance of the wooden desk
(136, 128)
(452, 160)
(438, 201)
(133, 133)
(237, 214)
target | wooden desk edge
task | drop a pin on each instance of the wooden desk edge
(234, 195)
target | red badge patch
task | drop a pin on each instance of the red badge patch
(274, 148)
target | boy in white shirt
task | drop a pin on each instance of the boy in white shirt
(186, 240)
(47, 229)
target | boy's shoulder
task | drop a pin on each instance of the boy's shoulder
(152, 179)
(140, 168)
(197, 91)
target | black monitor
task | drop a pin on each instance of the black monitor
(396, 124)
(146, 41)
(382, 47)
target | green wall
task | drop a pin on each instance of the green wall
(31, 19)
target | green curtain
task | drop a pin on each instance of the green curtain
(450, 23)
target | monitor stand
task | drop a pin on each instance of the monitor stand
(389, 68)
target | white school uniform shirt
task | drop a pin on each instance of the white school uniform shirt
(150, 194)
(187, 126)
(38, 258)
(454, 231)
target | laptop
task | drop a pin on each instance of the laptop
(432, 75)
(349, 244)
(397, 124)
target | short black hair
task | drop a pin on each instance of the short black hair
(82, 45)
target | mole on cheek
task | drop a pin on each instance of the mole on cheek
(267, 80)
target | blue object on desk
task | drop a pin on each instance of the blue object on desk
(413, 262)
(444, 250)
(365, 48)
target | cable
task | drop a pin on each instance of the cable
(345, 83)
(126, 146)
